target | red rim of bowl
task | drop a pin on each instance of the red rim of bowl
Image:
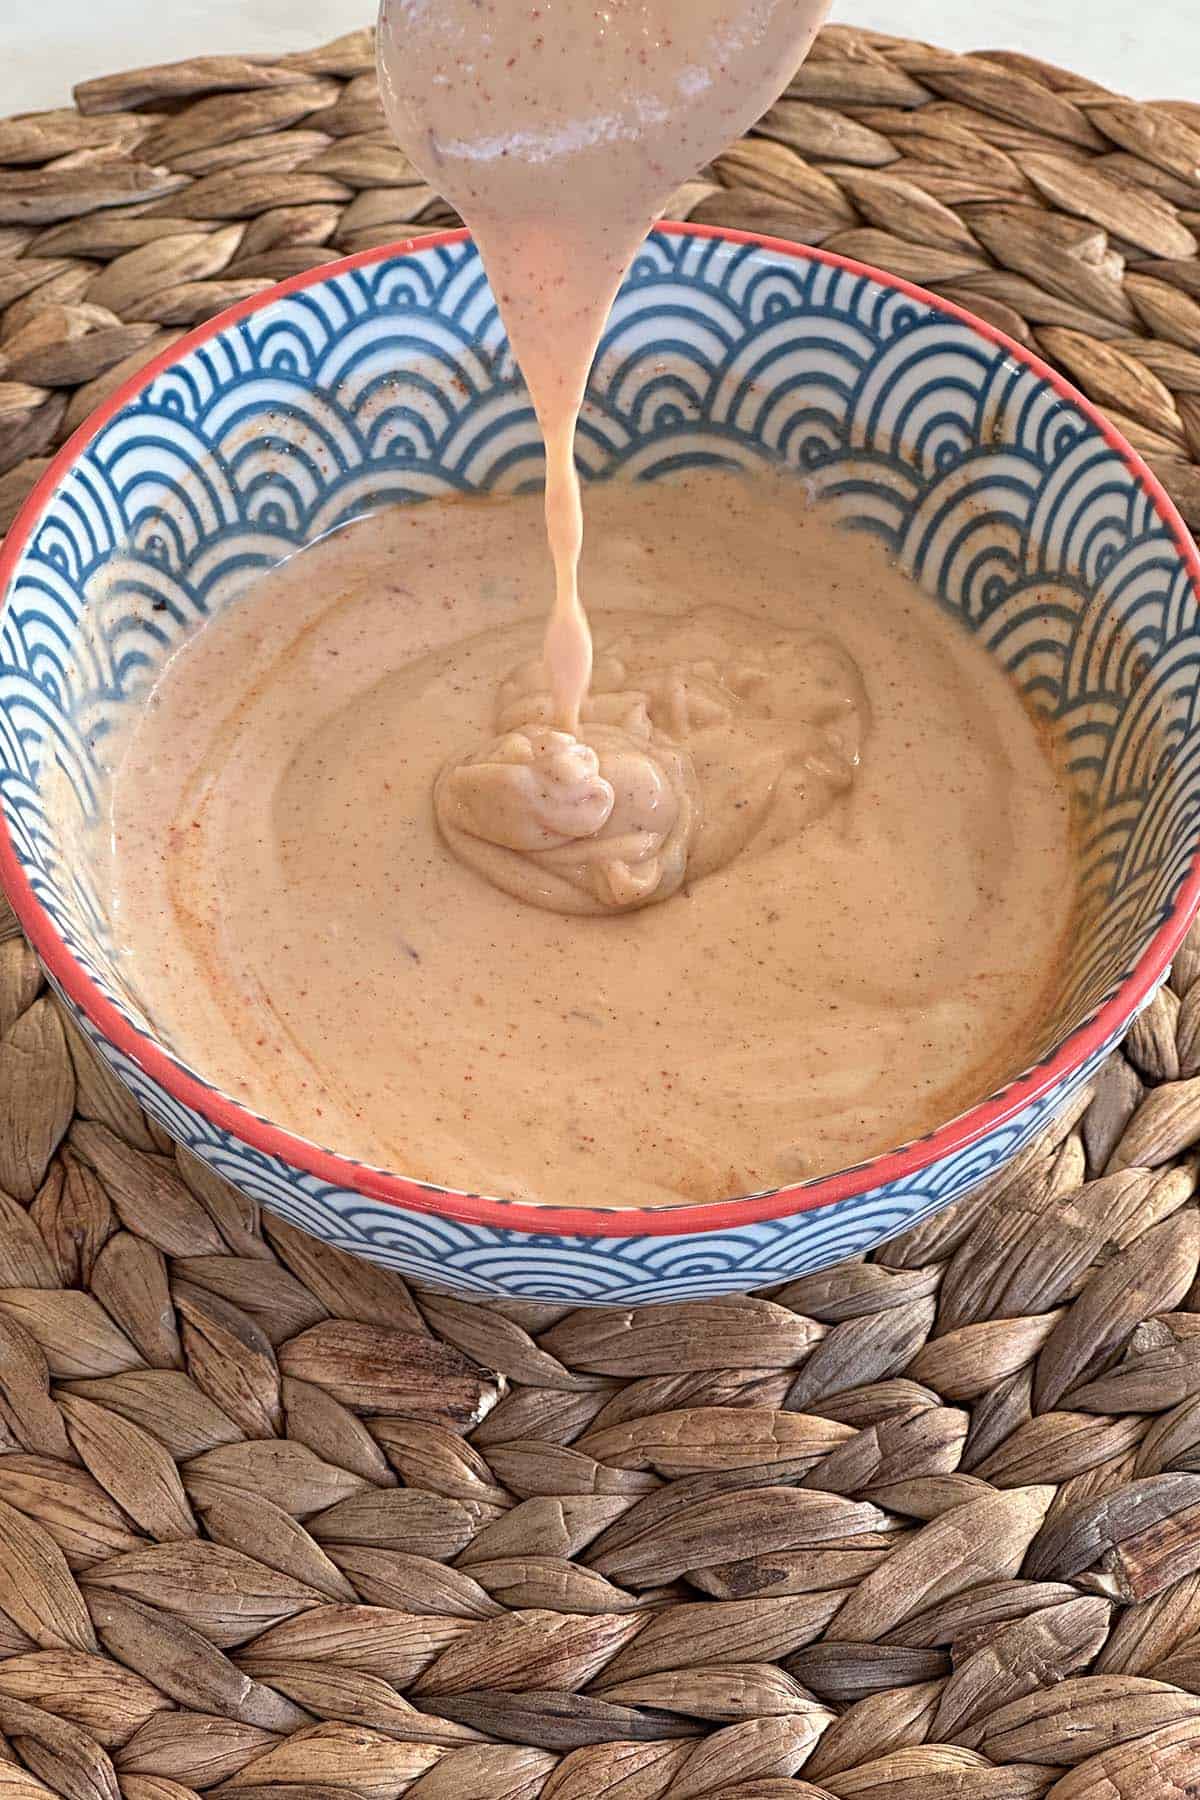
(523, 1217)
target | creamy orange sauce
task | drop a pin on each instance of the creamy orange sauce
(865, 940)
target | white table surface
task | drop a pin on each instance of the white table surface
(1150, 48)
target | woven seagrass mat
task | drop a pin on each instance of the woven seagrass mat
(925, 1527)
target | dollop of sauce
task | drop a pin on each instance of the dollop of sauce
(588, 824)
(739, 740)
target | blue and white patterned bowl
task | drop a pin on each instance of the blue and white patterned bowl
(388, 378)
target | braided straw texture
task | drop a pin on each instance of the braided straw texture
(1067, 215)
(1064, 213)
(924, 1527)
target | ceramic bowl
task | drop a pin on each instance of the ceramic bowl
(388, 378)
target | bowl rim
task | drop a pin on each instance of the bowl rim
(533, 1218)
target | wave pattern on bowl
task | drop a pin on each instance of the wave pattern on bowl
(392, 381)
(487, 1261)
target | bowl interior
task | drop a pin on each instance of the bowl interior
(391, 380)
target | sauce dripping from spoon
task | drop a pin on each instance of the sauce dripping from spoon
(560, 131)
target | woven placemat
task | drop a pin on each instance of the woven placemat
(924, 1527)
(1066, 214)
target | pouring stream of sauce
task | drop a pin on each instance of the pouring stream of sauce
(560, 131)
